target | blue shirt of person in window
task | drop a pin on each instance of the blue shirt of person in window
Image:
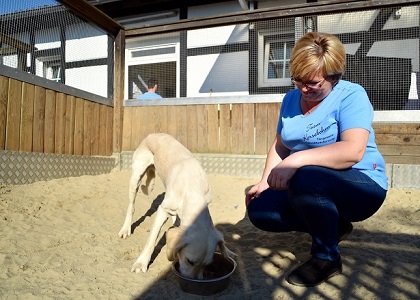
(151, 90)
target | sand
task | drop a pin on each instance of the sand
(58, 240)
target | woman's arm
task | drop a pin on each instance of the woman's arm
(276, 153)
(340, 155)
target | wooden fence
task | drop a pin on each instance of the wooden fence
(245, 128)
(205, 128)
(37, 119)
(399, 142)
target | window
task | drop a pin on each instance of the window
(153, 51)
(52, 71)
(274, 55)
(277, 56)
(48, 67)
(163, 72)
(156, 59)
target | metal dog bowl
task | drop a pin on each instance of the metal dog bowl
(216, 277)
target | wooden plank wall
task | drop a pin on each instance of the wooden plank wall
(399, 143)
(245, 129)
(207, 128)
(35, 119)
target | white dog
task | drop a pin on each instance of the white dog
(187, 196)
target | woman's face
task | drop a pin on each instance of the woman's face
(315, 89)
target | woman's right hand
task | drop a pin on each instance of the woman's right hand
(255, 191)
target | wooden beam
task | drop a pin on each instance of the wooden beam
(295, 10)
(92, 14)
(8, 51)
(19, 45)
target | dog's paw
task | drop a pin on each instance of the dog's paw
(124, 233)
(138, 266)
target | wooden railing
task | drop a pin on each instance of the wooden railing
(399, 143)
(38, 119)
(208, 128)
(244, 128)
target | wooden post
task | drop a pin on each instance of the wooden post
(119, 66)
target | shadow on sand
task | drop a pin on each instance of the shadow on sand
(376, 265)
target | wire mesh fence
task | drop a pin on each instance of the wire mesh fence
(252, 58)
(43, 38)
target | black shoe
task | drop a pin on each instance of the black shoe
(344, 230)
(314, 271)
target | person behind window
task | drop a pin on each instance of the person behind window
(152, 86)
(324, 169)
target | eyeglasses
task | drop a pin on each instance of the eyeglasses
(310, 85)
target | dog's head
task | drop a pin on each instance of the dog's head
(194, 249)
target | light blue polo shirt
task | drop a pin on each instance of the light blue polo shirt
(346, 107)
(149, 95)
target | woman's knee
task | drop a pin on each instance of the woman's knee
(257, 219)
(271, 211)
(306, 178)
(257, 212)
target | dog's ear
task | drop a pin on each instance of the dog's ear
(225, 251)
(222, 247)
(174, 242)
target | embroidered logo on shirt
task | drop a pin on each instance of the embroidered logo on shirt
(319, 132)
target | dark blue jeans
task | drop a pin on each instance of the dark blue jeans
(317, 202)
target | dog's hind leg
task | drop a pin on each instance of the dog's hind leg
(140, 167)
(143, 260)
(150, 180)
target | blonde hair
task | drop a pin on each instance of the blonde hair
(317, 52)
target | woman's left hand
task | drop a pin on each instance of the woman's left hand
(280, 176)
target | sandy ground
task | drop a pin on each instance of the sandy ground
(58, 240)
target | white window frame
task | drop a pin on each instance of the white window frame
(49, 71)
(264, 57)
(48, 64)
(154, 58)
